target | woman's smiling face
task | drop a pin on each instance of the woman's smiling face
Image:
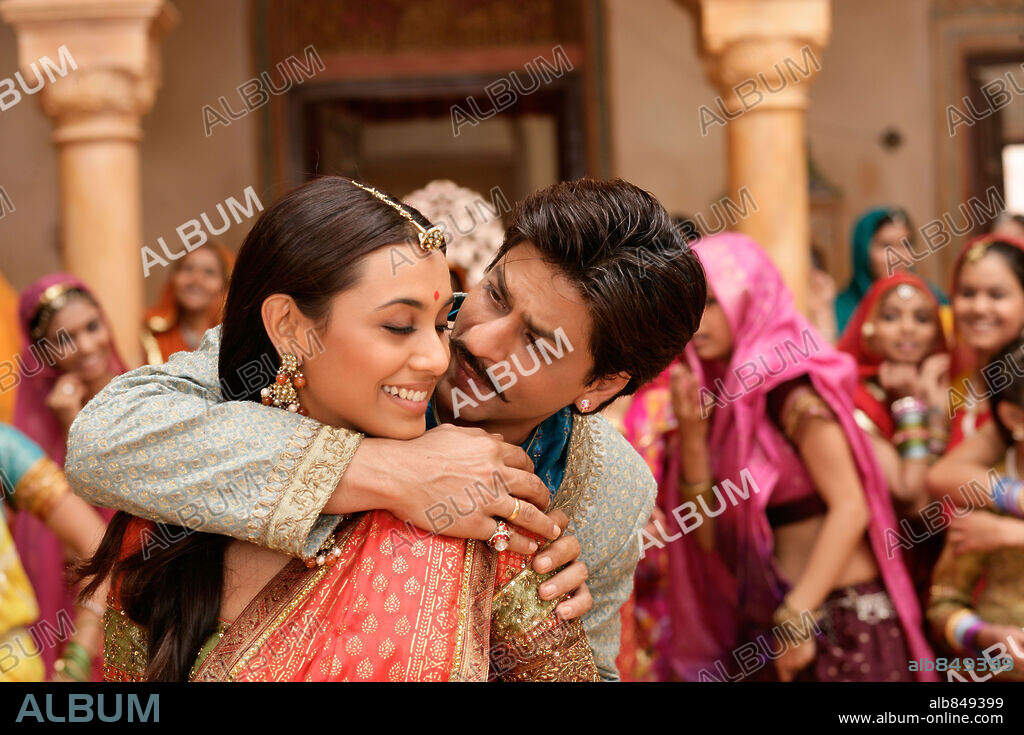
(384, 346)
(82, 338)
(906, 325)
(988, 304)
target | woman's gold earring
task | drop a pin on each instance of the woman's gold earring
(281, 393)
(1018, 433)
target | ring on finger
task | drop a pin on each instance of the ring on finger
(515, 511)
(500, 538)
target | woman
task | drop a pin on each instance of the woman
(33, 485)
(190, 303)
(8, 348)
(896, 338)
(988, 315)
(977, 597)
(880, 237)
(372, 604)
(807, 534)
(68, 356)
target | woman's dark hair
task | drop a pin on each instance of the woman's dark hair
(1004, 379)
(41, 320)
(307, 245)
(616, 244)
(893, 217)
(1012, 255)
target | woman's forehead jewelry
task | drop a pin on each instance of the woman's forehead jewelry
(52, 300)
(431, 238)
(905, 291)
(977, 251)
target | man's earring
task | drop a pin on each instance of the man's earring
(1018, 433)
(281, 392)
(585, 405)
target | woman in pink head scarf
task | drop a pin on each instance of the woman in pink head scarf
(67, 356)
(789, 571)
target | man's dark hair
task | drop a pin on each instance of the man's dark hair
(687, 228)
(618, 246)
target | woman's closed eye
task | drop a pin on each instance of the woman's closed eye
(399, 330)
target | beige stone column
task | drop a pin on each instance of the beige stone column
(762, 56)
(96, 108)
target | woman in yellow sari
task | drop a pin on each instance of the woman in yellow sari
(378, 600)
(31, 483)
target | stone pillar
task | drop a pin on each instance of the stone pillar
(762, 55)
(96, 108)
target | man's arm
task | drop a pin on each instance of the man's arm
(622, 504)
(161, 442)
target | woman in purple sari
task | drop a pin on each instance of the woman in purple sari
(775, 508)
(67, 356)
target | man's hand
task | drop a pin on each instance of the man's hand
(451, 481)
(565, 552)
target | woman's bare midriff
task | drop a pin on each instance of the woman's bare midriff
(793, 544)
(247, 569)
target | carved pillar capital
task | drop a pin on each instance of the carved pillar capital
(94, 66)
(763, 52)
(114, 45)
(762, 55)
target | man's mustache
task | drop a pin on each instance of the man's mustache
(474, 363)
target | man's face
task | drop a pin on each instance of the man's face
(509, 332)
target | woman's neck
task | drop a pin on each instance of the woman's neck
(95, 386)
(193, 321)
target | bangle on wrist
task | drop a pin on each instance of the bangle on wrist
(962, 628)
(1008, 496)
(694, 490)
(788, 619)
(909, 408)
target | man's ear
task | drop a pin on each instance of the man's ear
(601, 390)
(284, 322)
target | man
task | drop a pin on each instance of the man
(591, 295)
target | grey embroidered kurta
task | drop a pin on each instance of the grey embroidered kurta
(161, 442)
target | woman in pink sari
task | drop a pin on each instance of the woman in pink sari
(67, 356)
(795, 567)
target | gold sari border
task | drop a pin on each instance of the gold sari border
(257, 621)
(471, 661)
(264, 614)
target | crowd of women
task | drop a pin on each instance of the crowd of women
(65, 357)
(859, 543)
(881, 520)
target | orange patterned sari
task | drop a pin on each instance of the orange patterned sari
(397, 605)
